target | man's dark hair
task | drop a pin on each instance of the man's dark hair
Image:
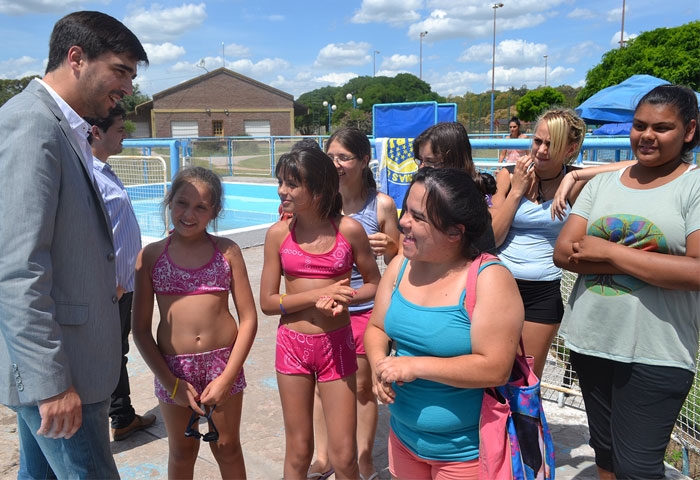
(104, 123)
(96, 33)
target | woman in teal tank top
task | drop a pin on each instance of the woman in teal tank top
(433, 378)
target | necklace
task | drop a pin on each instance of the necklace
(540, 193)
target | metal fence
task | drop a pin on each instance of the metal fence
(257, 157)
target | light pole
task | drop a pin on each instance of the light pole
(331, 108)
(495, 6)
(355, 100)
(223, 56)
(422, 34)
(545, 70)
(374, 72)
(622, 30)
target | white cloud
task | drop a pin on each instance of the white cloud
(393, 12)
(21, 67)
(14, 7)
(580, 51)
(258, 70)
(614, 15)
(339, 55)
(399, 62)
(163, 53)
(581, 14)
(162, 24)
(615, 40)
(235, 50)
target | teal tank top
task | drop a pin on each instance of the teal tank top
(435, 421)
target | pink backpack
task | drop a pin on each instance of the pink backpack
(514, 438)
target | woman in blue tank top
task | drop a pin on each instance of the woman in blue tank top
(526, 231)
(433, 378)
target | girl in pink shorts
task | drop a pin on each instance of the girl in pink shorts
(198, 353)
(314, 251)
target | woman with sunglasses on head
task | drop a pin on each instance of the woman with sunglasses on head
(446, 145)
(198, 353)
(632, 319)
(351, 152)
(525, 231)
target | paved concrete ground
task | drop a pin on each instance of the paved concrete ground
(144, 455)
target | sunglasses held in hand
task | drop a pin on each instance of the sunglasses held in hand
(211, 436)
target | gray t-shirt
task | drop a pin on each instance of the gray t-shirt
(620, 317)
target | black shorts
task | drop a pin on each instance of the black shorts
(631, 410)
(542, 300)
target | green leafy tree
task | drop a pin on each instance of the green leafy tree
(534, 102)
(403, 87)
(668, 53)
(11, 87)
(130, 102)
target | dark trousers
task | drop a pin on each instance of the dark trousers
(631, 409)
(120, 410)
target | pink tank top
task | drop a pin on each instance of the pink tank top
(171, 279)
(299, 263)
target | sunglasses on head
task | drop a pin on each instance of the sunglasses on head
(211, 436)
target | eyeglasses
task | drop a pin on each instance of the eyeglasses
(211, 436)
(431, 162)
(341, 158)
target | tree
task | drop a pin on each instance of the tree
(534, 102)
(130, 102)
(11, 87)
(404, 87)
(668, 53)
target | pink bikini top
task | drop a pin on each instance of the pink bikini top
(171, 279)
(298, 263)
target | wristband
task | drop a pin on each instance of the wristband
(574, 174)
(177, 382)
(284, 312)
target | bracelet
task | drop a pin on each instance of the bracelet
(574, 174)
(284, 312)
(177, 382)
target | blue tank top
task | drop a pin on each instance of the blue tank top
(367, 216)
(528, 248)
(434, 420)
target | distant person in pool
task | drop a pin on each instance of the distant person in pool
(198, 356)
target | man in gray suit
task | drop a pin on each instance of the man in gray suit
(59, 316)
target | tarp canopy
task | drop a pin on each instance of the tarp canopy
(614, 129)
(616, 104)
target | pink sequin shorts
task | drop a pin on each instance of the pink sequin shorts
(330, 356)
(198, 369)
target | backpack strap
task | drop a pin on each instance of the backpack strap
(472, 275)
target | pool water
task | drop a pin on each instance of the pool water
(246, 205)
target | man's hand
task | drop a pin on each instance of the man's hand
(61, 415)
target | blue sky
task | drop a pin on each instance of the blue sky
(298, 46)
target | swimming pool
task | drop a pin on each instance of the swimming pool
(246, 206)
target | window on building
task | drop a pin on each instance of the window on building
(217, 127)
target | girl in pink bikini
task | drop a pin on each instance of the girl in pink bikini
(198, 353)
(314, 252)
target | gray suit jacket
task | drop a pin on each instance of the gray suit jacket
(59, 315)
